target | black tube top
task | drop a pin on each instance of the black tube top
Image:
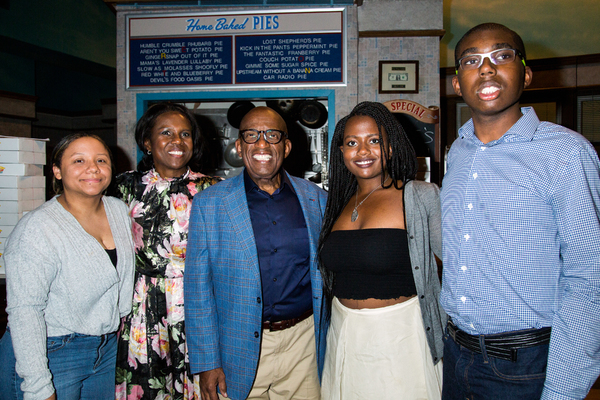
(112, 253)
(369, 263)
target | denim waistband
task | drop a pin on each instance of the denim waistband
(503, 345)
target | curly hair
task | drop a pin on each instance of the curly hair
(400, 164)
(143, 132)
(59, 151)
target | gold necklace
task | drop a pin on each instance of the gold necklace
(354, 216)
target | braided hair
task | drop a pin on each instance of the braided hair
(400, 164)
(143, 132)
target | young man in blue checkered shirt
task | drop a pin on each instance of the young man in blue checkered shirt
(521, 232)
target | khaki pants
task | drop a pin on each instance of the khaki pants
(287, 368)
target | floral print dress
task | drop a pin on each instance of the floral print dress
(152, 360)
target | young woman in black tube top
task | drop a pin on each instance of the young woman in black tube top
(380, 232)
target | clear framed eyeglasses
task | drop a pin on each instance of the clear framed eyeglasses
(272, 136)
(497, 57)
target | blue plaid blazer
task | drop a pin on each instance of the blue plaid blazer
(222, 286)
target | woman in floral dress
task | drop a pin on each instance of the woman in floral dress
(152, 358)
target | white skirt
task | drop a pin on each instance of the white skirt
(379, 353)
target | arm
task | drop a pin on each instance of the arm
(434, 219)
(200, 308)
(30, 271)
(121, 227)
(573, 360)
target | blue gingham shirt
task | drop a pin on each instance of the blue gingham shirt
(521, 243)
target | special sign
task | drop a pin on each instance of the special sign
(279, 48)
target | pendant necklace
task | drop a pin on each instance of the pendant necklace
(354, 216)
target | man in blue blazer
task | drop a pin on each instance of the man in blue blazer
(253, 291)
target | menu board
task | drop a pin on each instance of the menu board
(279, 48)
(181, 61)
(289, 58)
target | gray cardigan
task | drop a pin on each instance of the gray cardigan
(60, 280)
(424, 228)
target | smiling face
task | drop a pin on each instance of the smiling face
(492, 90)
(171, 144)
(361, 148)
(263, 160)
(85, 168)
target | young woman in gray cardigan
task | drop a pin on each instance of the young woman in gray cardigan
(381, 232)
(69, 274)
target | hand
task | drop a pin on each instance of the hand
(209, 380)
(53, 397)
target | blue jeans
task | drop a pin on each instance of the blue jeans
(473, 376)
(82, 367)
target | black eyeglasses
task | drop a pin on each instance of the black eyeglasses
(272, 136)
(497, 57)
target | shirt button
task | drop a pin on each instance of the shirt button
(463, 299)
(274, 279)
(422, 296)
(475, 175)
(256, 334)
(417, 267)
(467, 237)
(258, 300)
(275, 251)
(470, 206)
(464, 267)
(483, 148)
(274, 222)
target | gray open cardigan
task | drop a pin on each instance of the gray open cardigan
(59, 281)
(424, 228)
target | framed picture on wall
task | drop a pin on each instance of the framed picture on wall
(399, 76)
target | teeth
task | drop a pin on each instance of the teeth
(489, 90)
(262, 157)
(176, 153)
(364, 162)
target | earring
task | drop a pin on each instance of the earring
(149, 152)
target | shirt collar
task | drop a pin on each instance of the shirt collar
(524, 128)
(251, 185)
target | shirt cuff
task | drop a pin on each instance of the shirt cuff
(548, 394)
(42, 394)
(40, 389)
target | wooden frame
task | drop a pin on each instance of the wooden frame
(399, 76)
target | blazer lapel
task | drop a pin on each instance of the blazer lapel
(308, 203)
(236, 206)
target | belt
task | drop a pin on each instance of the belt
(286, 323)
(504, 345)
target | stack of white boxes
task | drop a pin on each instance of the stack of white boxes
(22, 182)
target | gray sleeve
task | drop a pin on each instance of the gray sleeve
(123, 237)
(434, 217)
(30, 269)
